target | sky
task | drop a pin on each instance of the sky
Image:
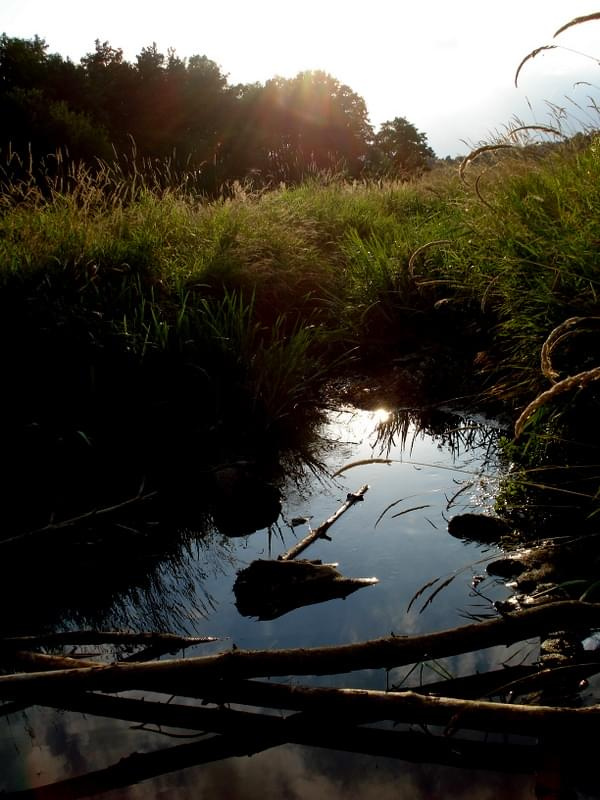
(447, 66)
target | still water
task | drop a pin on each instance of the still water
(418, 478)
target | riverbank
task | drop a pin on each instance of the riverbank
(148, 335)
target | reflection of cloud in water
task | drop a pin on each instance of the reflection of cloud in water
(312, 774)
(71, 744)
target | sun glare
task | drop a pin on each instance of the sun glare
(381, 416)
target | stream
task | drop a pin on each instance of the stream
(418, 478)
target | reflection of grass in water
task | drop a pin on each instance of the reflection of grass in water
(451, 431)
(152, 585)
(173, 597)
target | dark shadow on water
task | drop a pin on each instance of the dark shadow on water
(134, 580)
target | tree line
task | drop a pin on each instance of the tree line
(184, 110)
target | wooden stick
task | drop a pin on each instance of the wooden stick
(351, 706)
(321, 531)
(384, 653)
(302, 728)
(148, 638)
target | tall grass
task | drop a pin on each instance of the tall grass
(518, 239)
(266, 293)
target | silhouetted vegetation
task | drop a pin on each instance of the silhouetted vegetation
(185, 110)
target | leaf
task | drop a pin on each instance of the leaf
(406, 510)
(85, 438)
(578, 21)
(591, 592)
(456, 494)
(533, 54)
(362, 463)
(433, 595)
(420, 592)
(386, 509)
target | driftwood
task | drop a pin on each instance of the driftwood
(363, 705)
(515, 681)
(323, 717)
(148, 638)
(320, 532)
(385, 653)
(263, 729)
(334, 711)
(272, 695)
(348, 706)
(157, 644)
(269, 589)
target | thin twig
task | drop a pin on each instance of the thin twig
(320, 531)
(88, 515)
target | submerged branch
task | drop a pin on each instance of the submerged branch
(320, 531)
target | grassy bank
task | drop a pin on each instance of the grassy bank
(141, 326)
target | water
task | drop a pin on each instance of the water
(397, 534)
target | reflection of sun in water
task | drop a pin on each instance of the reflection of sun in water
(357, 426)
(381, 416)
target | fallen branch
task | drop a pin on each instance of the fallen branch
(519, 679)
(300, 728)
(321, 531)
(157, 644)
(381, 653)
(148, 638)
(354, 706)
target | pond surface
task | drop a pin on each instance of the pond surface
(397, 534)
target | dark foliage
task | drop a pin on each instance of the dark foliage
(165, 107)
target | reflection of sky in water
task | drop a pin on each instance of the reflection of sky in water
(403, 550)
(281, 772)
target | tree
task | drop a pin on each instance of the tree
(110, 86)
(313, 122)
(399, 149)
(22, 62)
(205, 114)
(40, 103)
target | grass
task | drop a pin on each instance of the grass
(250, 304)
